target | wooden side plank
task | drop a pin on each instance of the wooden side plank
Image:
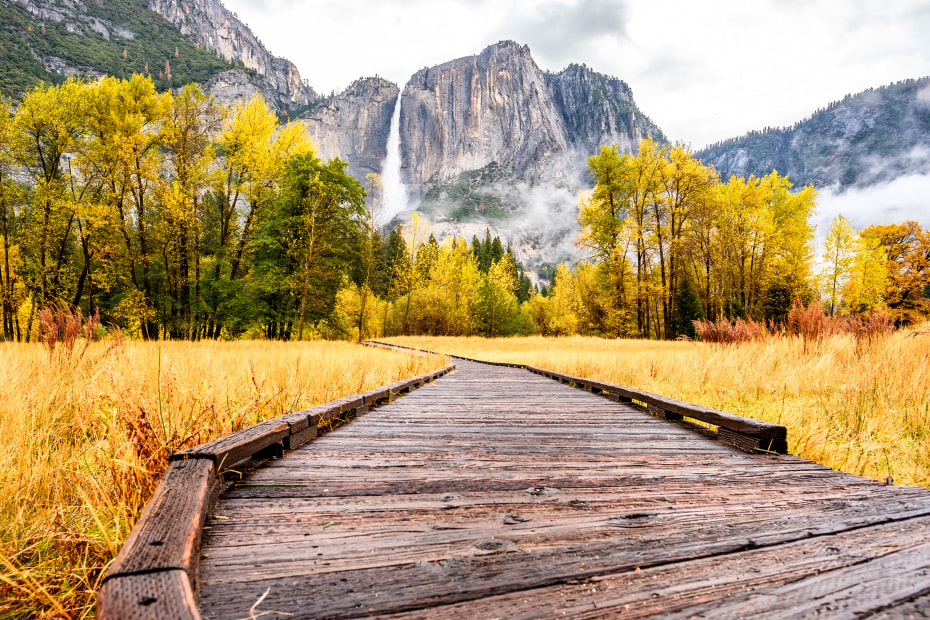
(238, 446)
(156, 596)
(711, 416)
(167, 535)
(231, 449)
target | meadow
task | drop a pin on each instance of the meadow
(85, 435)
(862, 408)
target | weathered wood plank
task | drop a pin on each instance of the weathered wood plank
(167, 535)
(153, 596)
(231, 449)
(469, 494)
(696, 589)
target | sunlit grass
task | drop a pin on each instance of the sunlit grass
(863, 411)
(83, 442)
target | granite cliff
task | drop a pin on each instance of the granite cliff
(500, 109)
(494, 107)
(354, 124)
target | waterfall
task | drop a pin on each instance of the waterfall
(395, 192)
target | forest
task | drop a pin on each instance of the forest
(170, 216)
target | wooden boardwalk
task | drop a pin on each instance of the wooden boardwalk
(497, 493)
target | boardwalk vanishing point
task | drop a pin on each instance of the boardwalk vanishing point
(494, 492)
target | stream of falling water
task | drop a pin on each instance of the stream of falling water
(395, 192)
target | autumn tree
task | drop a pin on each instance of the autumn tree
(407, 278)
(867, 280)
(253, 153)
(123, 143)
(45, 131)
(187, 133)
(8, 197)
(907, 248)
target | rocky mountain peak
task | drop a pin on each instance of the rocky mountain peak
(872, 137)
(599, 110)
(492, 107)
(213, 27)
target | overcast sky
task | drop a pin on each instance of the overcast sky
(702, 70)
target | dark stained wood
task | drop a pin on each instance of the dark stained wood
(157, 596)
(231, 449)
(499, 493)
(167, 535)
(301, 437)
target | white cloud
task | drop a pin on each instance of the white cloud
(905, 198)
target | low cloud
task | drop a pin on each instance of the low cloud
(905, 198)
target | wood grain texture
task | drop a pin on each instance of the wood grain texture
(157, 596)
(231, 449)
(495, 492)
(167, 535)
(745, 433)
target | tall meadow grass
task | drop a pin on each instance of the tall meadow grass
(861, 407)
(86, 433)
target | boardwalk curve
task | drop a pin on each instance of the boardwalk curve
(494, 492)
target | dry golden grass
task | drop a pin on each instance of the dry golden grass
(84, 441)
(864, 411)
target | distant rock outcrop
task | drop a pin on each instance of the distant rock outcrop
(872, 137)
(467, 113)
(597, 109)
(212, 26)
(354, 124)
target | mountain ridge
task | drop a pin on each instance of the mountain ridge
(867, 138)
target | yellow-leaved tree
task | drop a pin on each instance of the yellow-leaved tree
(838, 255)
(867, 279)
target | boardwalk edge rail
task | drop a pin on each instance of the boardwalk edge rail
(748, 434)
(155, 573)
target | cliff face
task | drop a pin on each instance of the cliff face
(213, 27)
(871, 137)
(49, 40)
(354, 125)
(598, 110)
(489, 140)
(464, 114)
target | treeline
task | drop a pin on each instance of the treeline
(417, 286)
(672, 243)
(169, 215)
